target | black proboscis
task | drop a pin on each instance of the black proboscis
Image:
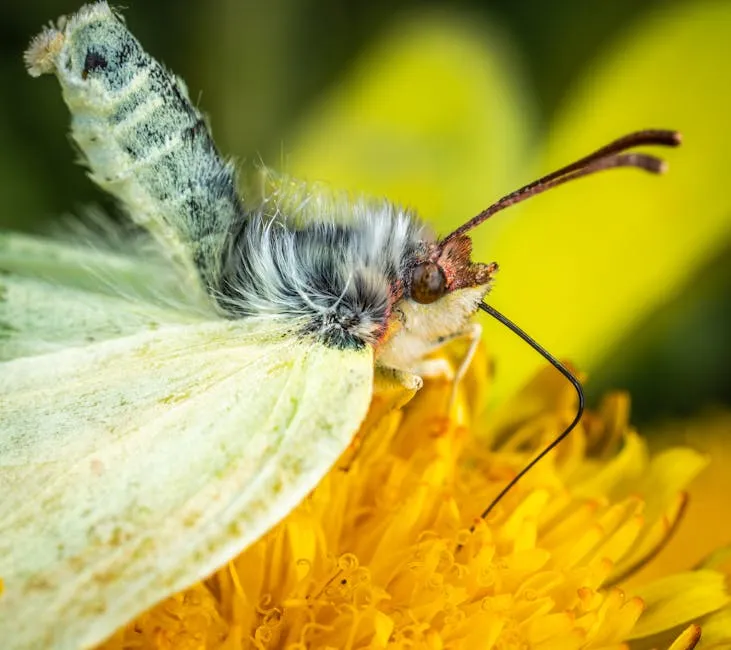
(565, 372)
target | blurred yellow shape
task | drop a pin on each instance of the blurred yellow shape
(614, 247)
(706, 525)
(678, 599)
(430, 116)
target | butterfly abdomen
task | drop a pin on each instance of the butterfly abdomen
(142, 138)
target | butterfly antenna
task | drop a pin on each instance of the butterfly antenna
(614, 155)
(611, 156)
(565, 372)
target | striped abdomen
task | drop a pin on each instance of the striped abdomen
(143, 139)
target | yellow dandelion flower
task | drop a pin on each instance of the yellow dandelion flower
(382, 555)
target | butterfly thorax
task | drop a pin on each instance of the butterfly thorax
(338, 278)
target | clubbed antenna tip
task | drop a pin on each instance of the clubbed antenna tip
(613, 155)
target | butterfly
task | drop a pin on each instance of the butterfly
(170, 396)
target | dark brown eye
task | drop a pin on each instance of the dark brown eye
(428, 283)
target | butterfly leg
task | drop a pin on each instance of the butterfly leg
(473, 334)
(392, 389)
(445, 369)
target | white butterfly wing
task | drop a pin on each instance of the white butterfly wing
(57, 294)
(133, 467)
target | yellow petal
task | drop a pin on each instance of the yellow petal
(669, 472)
(679, 598)
(584, 263)
(717, 630)
(687, 639)
(618, 473)
(430, 117)
(707, 508)
(661, 485)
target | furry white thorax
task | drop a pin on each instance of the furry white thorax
(335, 268)
(337, 264)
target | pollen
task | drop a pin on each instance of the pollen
(389, 551)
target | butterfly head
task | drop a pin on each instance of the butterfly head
(446, 268)
(441, 290)
(443, 287)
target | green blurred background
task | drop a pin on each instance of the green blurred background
(261, 68)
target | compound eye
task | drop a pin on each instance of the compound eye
(428, 283)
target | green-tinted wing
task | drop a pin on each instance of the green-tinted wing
(134, 467)
(56, 294)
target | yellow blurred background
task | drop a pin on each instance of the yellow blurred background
(445, 106)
